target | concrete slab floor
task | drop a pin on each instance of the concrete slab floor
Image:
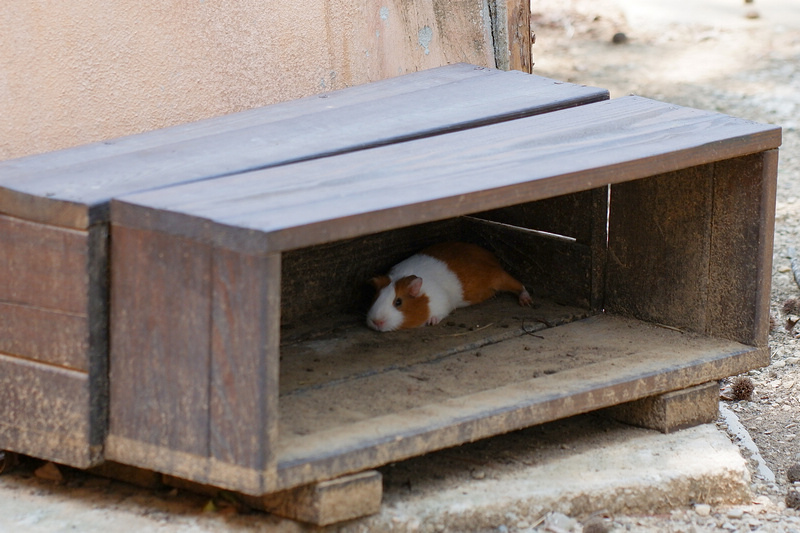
(579, 466)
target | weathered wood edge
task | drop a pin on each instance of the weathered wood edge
(764, 258)
(126, 212)
(505, 409)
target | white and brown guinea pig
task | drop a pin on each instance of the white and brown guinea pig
(426, 287)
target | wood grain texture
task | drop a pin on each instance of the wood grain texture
(671, 411)
(327, 502)
(160, 350)
(42, 335)
(637, 360)
(659, 241)
(76, 193)
(42, 266)
(741, 248)
(245, 335)
(44, 412)
(511, 29)
(445, 176)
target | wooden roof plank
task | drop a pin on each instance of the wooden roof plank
(440, 177)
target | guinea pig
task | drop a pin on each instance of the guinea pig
(426, 287)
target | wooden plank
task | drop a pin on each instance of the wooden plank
(43, 266)
(740, 268)
(659, 248)
(671, 411)
(326, 502)
(62, 197)
(446, 176)
(244, 359)
(47, 336)
(638, 360)
(160, 345)
(44, 412)
(323, 503)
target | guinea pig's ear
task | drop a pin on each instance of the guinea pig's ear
(380, 282)
(415, 286)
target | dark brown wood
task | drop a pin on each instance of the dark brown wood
(54, 288)
(302, 205)
(671, 411)
(160, 363)
(43, 410)
(659, 248)
(47, 336)
(43, 266)
(76, 194)
(245, 335)
(741, 248)
(327, 502)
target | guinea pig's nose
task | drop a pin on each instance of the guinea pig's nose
(378, 323)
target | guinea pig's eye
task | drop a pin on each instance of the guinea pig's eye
(398, 302)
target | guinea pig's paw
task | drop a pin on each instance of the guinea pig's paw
(432, 321)
(525, 299)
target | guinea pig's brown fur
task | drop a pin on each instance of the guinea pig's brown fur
(479, 271)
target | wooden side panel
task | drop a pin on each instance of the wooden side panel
(160, 331)
(741, 248)
(244, 360)
(43, 266)
(658, 248)
(44, 412)
(43, 335)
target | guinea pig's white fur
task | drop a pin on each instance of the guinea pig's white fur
(439, 283)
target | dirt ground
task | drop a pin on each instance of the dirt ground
(737, 58)
(729, 56)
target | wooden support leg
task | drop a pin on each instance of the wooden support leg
(321, 504)
(671, 411)
(129, 474)
(328, 502)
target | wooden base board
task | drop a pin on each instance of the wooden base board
(671, 411)
(323, 503)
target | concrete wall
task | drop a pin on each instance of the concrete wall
(76, 71)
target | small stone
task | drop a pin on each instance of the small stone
(793, 499)
(478, 474)
(793, 473)
(619, 38)
(702, 509)
(50, 472)
(735, 513)
(752, 14)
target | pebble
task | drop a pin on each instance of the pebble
(702, 509)
(735, 513)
